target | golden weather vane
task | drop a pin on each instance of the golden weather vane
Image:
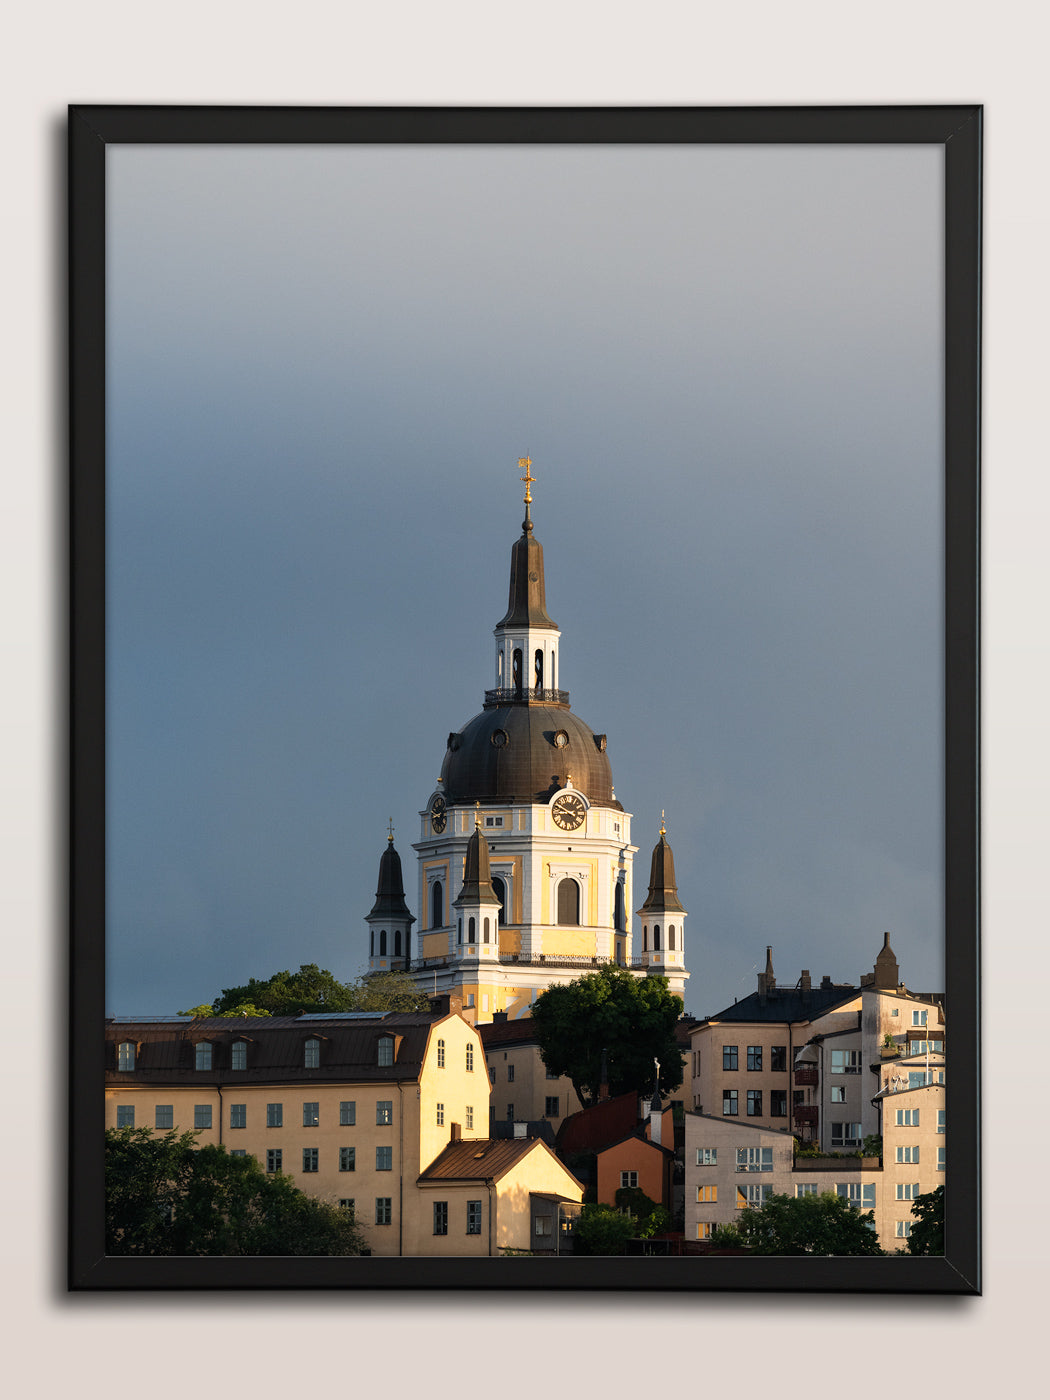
(390, 829)
(528, 478)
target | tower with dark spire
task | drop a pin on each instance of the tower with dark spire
(476, 907)
(663, 915)
(389, 922)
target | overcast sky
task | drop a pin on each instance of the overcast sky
(323, 364)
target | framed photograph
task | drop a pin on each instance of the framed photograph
(678, 406)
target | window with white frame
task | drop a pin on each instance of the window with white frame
(385, 1051)
(470, 1059)
(754, 1159)
(470, 1118)
(239, 1055)
(202, 1115)
(907, 1117)
(628, 1179)
(907, 1190)
(310, 1159)
(202, 1055)
(752, 1194)
(902, 1229)
(805, 1188)
(348, 1113)
(238, 1152)
(311, 1115)
(126, 1055)
(918, 1018)
(441, 1054)
(845, 1134)
(703, 1229)
(940, 1120)
(312, 1054)
(125, 1115)
(861, 1195)
(926, 1047)
(163, 1115)
(707, 1156)
(707, 1194)
(940, 1159)
(473, 1217)
(275, 1115)
(238, 1115)
(439, 1117)
(845, 1062)
(384, 1159)
(908, 1154)
(385, 1111)
(347, 1159)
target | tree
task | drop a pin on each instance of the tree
(825, 1224)
(602, 1230)
(243, 1008)
(927, 1235)
(649, 1217)
(314, 990)
(389, 991)
(165, 1195)
(631, 1019)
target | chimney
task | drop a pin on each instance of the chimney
(498, 1017)
(766, 979)
(805, 982)
(825, 981)
(456, 1134)
(441, 1005)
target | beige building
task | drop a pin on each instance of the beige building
(355, 1107)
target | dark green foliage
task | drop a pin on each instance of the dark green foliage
(927, 1234)
(632, 1019)
(602, 1230)
(825, 1224)
(314, 990)
(649, 1218)
(164, 1195)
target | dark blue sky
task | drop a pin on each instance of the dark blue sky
(323, 364)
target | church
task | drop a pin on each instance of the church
(525, 862)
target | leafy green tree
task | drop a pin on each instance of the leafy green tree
(631, 1019)
(389, 991)
(165, 1195)
(244, 1008)
(602, 1230)
(927, 1234)
(727, 1237)
(314, 990)
(649, 1217)
(824, 1224)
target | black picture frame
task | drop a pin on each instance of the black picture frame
(958, 129)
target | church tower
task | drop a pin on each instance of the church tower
(663, 920)
(524, 828)
(389, 923)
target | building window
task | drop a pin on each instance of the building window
(754, 1159)
(845, 1134)
(202, 1055)
(778, 1103)
(202, 1115)
(275, 1115)
(628, 1179)
(471, 929)
(470, 1059)
(386, 1051)
(752, 1195)
(707, 1193)
(397, 943)
(500, 890)
(439, 1118)
(542, 1225)
(510, 1074)
(805, 1188)
(907, 1117)
(510, 1113)
(907, 1191)
(908, 1154)
(860, 1196)
(437, 905)
(845, 1062)
(459, 930)
(754, 1103)
(239, 1055)
(238, 1152)
(492, 1071)
(312, 1054)
(902, 1229)
(385, 1111)
(778, 1057)
(707, 1156)
(238, 1115)
(926, 1047)
(550, 1109)
(485, 939)
(619, 911)
(384, 1214)
(273, 1159)
(382, 942)
(838, 1093)
(309, 1159)
(441, 1054)
(729, 1109)
(346, 1203)
(940, 1120)
(125, 1115)
(347, 1159)
(918, 1018)
(164, 1115)
(126, 1055)
(311, 1115)
(347, 1113)
(493, 821)
(670, 937)
(568, 902)
(384, 1159)
(703, 1229)
(940, 1159)
(473, 1217)
(895, 1012)
(729, 1060)
(441, 1217)
(470, 1118)
(754, 1057)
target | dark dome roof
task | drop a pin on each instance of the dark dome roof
(508, 753)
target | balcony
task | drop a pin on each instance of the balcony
(806, 1075)
(524, 695)
(806, 1113)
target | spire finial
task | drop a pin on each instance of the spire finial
(477, 816)
(528, 479)
(663, 827)
(390, 830)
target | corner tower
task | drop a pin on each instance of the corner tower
(662, 917)
(389, 922)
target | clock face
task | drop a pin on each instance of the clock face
(569, 812)
(438, 816)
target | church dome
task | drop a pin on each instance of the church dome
(525, 752)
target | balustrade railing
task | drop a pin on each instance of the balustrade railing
(519, 695)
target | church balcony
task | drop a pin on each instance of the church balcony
(520, 695)
(567, 960)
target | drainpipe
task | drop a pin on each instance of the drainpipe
(218, 1090)
(491, 1184)
(400, 1171)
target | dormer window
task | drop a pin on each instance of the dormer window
(312, 1054)
(126, 1055)
(202, 1055)
(386, 1051)
(239, 1055)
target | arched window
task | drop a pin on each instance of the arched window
(656, 938)
(372, 943)
(441, 1054)
(670, 937)
(619, 912)
(397, 943)
(568, 902)
(539, 669)
(437, 905)
(501, 894)
(382, 942)
(486, 929)
(312, 1054)
(460, 938)
(126, 1055)
(471, 929)
(202, 1055)
(517, 670)
(645, 938)
(553, 681)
